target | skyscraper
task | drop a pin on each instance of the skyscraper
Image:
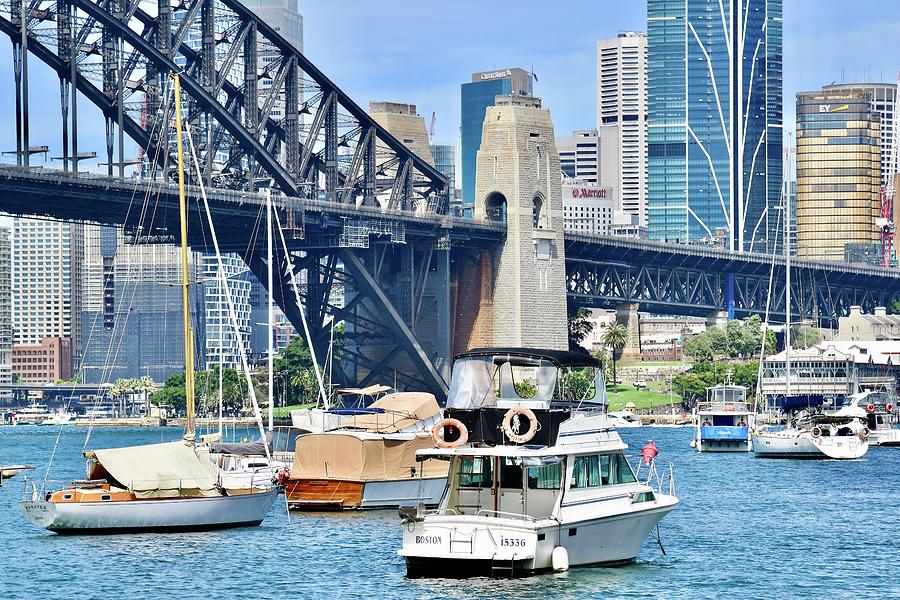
(221, 341)
(579, 155)
(5, 306)
(445, 162)
(476, 96)
(622, 119)
(838, 175)
(714, 120)
(46, 281)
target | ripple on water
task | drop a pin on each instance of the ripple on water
(745, 527)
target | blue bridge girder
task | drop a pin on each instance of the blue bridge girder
(605, 271)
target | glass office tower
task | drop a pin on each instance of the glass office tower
(476, 96)
(714, 121)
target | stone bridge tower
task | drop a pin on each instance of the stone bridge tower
(523, 283)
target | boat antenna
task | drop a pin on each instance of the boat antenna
(185, 283)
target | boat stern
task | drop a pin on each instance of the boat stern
(39, 513)
(467, 547)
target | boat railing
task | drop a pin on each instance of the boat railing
(500, 514)
(719, 406)
(656, 479)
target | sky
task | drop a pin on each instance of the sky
(421, 51)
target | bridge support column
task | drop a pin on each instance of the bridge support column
(718, 318)
(517, 182)
(627, 315)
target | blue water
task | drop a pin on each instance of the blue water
(746, 527)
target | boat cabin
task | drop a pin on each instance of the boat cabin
(488, 382)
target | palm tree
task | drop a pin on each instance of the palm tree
(615, 337)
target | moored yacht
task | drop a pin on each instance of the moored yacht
(877, 409)
(538, 477)
(724, 420)
(809, 433)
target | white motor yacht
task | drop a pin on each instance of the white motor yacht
(724, 420)
(624, 419)
(809, 433)
(535, 483)
(876, 408)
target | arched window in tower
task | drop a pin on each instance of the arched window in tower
(538, 212)
(495, 207)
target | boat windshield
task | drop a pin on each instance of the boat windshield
(480, 381)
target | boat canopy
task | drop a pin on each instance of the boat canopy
(483, 376)
(362, 457)
(168, 470)
(789, 403)
(395, 412)
(281, 439)
(371, 390)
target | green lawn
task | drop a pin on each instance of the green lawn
(641, 398)
(284, 412)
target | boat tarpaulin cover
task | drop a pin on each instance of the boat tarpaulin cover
(167, 470)
(363, 457)
(395, 412)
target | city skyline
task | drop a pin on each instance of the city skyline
(395, 67)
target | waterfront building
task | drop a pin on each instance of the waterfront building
(6, 330)
(133, 314)
(834, 370)
(622, 119)
(475, 97)
(579, 155)
(587, 208)
(46, 282)
(878, 326)
(884, 103)
(45, 362)
(714, 93)
(838, 174)
(222, 345)
(445, 162)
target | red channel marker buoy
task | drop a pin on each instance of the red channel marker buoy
(649, 452)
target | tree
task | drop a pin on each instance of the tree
(580, 326)
(805, 337)
(615, 338)
(172, 395)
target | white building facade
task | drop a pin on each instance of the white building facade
(587, 208)
(579, 155)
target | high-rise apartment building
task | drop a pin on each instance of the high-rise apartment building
(6, 329)
(476, 96)
(445, 162)
(132, 318)
(46, 282)
(579, 155)
(884, 104)
(222, 343)
(714, 93)
(622, 119)
(838, 174)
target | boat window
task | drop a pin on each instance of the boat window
(105, 497)
(547, 477)
(586, 472)
(475, 472)
(619, 470)
(510, 473)
(67, 496)
(644, 497)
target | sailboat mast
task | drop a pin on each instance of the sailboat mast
(786, 217)
(185, 282)
(271, 310)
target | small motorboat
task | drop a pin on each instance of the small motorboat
(876, 408)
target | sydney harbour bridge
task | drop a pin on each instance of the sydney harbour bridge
(357, 208)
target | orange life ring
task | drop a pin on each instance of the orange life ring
(870, 407)
(864, 433)
(438, 437)
(816, 431)
(889, 407)
(511, 426)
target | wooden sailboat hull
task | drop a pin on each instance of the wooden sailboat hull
(170, 514)
(343, 494)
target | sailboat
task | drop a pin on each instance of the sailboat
(170, 486)
(809, 433)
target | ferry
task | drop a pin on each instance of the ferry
(34, 414)
(724, 420)
(538, 481)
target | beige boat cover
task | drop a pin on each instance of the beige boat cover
(363, 457)
(401, 410)
(167, 470)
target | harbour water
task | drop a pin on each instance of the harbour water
(746, 527)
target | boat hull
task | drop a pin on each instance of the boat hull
(885, 437)
(478, 546)
(170, 514)
(838, 447)
(343, 494)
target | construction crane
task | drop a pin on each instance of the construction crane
(886, 221)
(431, 129)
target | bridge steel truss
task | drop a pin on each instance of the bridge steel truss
(603, 272)
(260, 115)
